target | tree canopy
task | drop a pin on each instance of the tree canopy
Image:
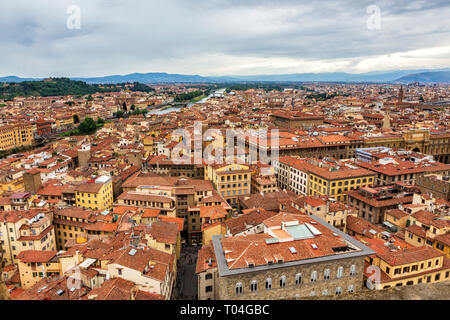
(87, 126)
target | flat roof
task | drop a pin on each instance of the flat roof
(300, 232)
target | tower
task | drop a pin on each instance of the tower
(387, 120)
(32, 180)
(84, 154)
(400, 95)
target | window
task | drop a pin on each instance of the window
(282, 282)
(119, 271)
(298, 278)
(254, 286)
(353, 269)
(338, 290)
(340, 272)
(326, 274)
(208, 276)
(314, 276)
(268, 284)
(351, 288)
(209, 289)
(239, 288)
(325, 292)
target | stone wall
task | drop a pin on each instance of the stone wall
(227, 284)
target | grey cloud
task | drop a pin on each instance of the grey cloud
(124, 36)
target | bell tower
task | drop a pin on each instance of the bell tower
(400, 95)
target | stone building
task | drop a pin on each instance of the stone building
(296, 256)
(296, 120)
(435, 184)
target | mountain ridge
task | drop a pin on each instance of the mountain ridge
(418, 75)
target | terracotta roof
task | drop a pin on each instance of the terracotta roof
(36, 256)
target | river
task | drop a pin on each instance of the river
(173, 109)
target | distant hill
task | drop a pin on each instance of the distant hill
(147, 78)
(421, 75)
(52, 87)
(427, 77)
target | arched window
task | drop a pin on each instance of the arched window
(338, 290)
(351, 288)
(239, 288)
(268, 283)
(298, 278)
(314, 276)
(340, 272)
(326, 274)
(353, 269)
(254, 286)
(325, 292)
(282, 282)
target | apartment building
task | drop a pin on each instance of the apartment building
(437, 185)
(95, 195)
(16, 136)
(176, 197)
(401, 265)
(372, 202)
(36, 265)
(334, 213)
(391, 169)
(231, 181)
(336, 179)
(74, 224)
(429, 229)
(25, 230)
(292, 174)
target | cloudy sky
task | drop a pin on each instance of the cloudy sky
(41, 38)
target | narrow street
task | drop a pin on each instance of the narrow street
(186, 284)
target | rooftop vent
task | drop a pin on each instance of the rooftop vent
(313, 245)
(293, 250)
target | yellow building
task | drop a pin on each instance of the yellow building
(97, 195)
(13, 186)
(336, 180)
(64, 122)
(230, 180)
(212, 218)
(426, 228)
(76, 224)
(164, 236)
(25, 230)
(404, 266)
(35, 265)
(15, 136)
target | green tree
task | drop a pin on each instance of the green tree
(100, 121)
(119, 114)
(87, 126)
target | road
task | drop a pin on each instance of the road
(186, 284)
